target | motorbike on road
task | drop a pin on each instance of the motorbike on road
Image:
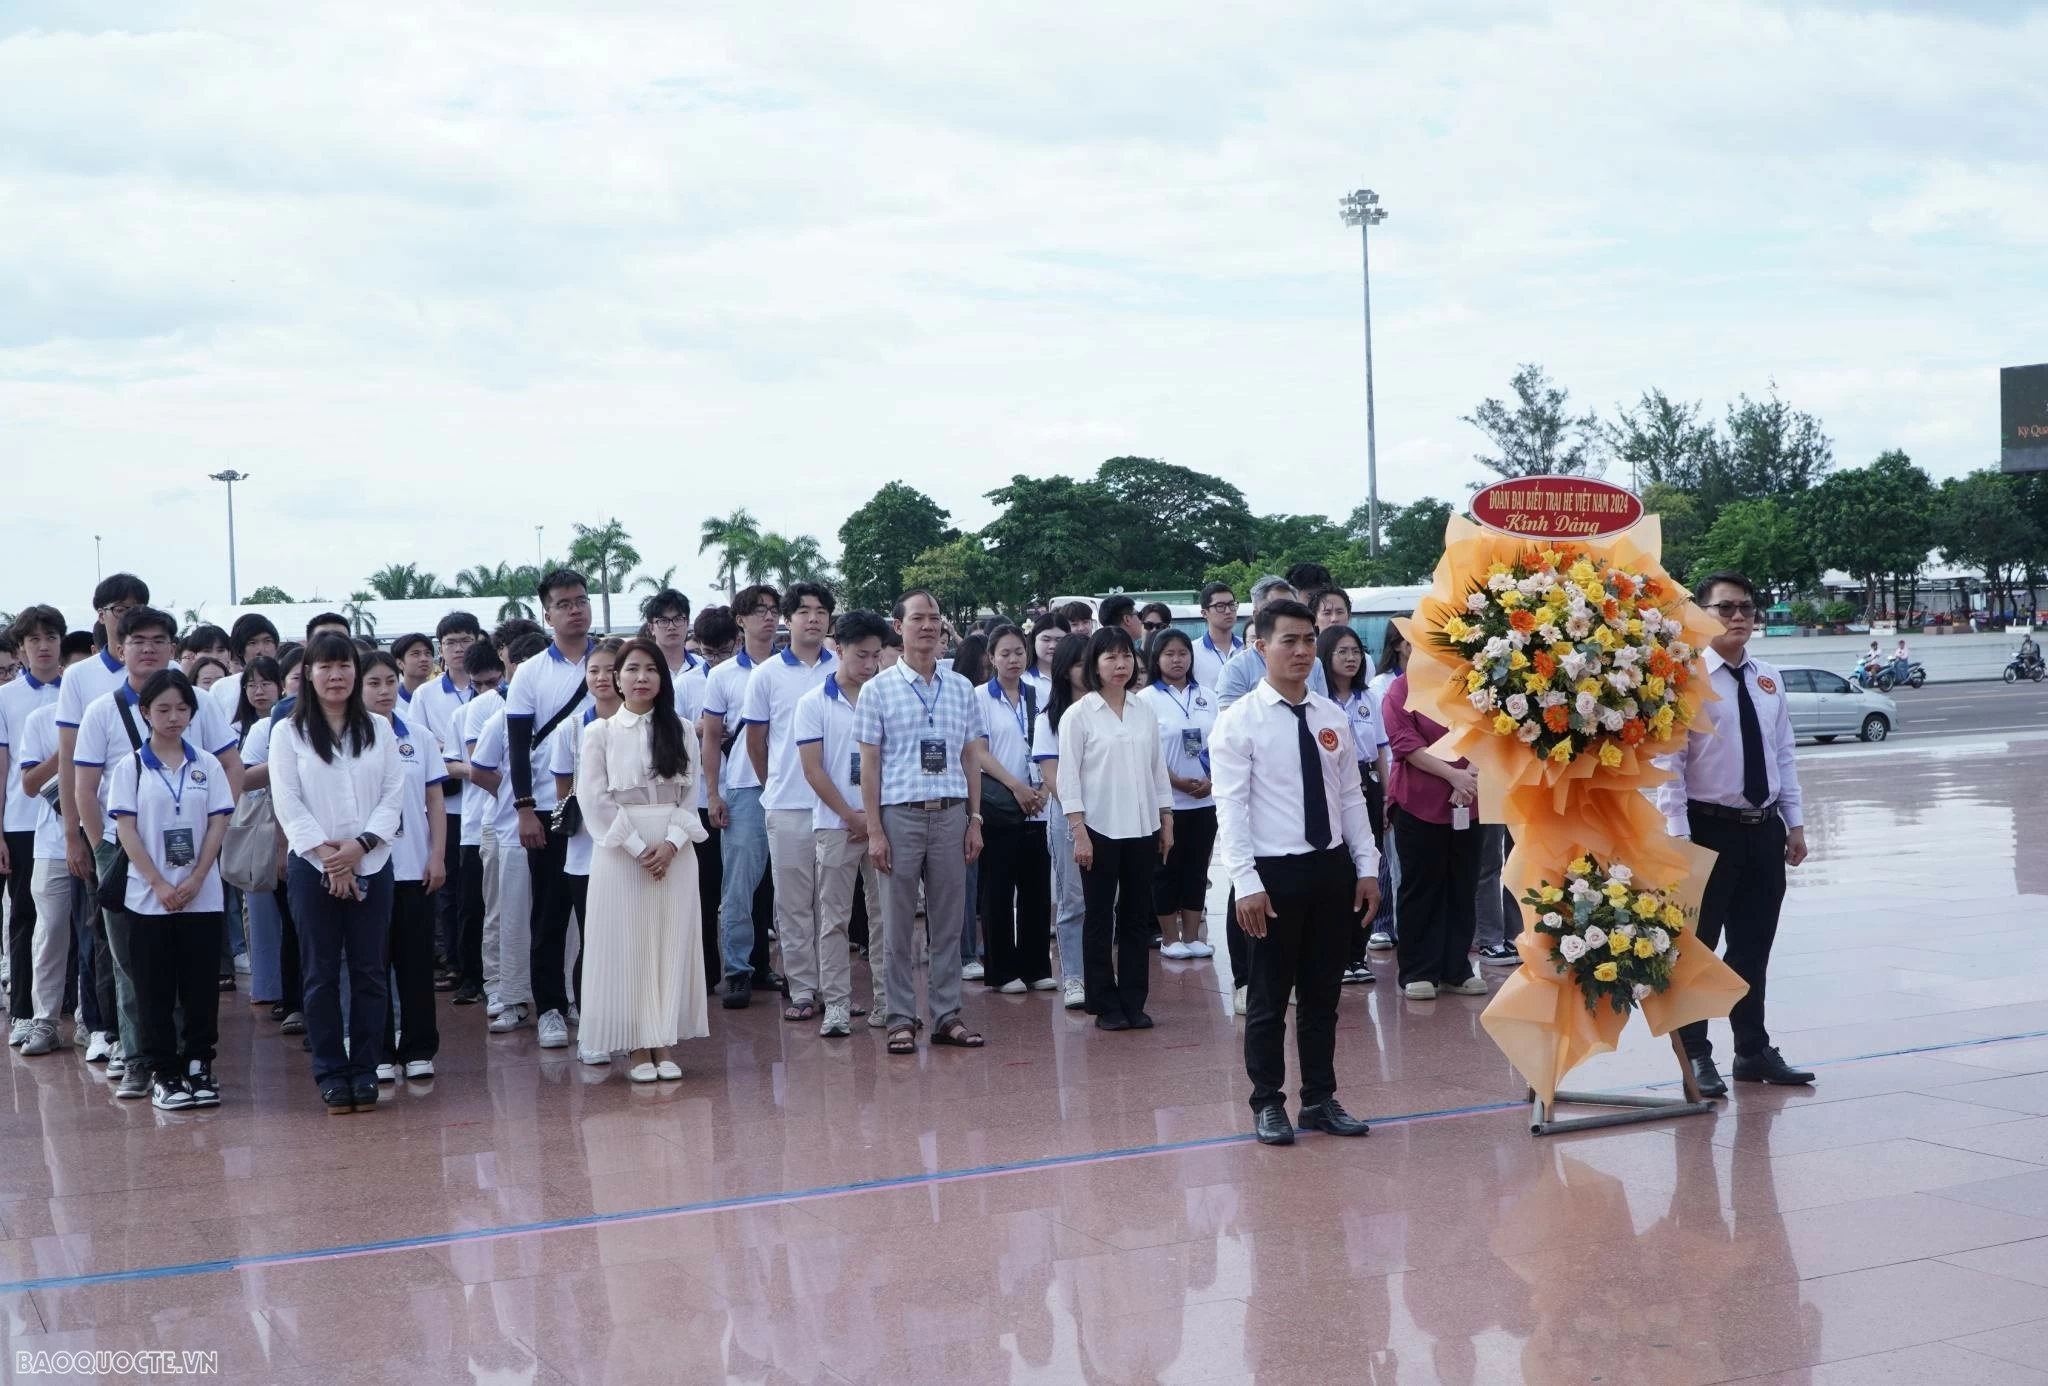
(2020, 667)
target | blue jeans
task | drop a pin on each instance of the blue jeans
(744, 848)
(1068, 905)
(333, 935)
(266, 947)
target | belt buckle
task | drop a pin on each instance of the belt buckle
(934, 805)
(1752, 817)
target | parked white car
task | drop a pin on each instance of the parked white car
(1824, 705)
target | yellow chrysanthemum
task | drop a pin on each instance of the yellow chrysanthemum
(1561, 752)
(1556, 598)
(1674, 917)
(1474, 681)
(1504, 725)
(1606, 972)
(1610, 754)
(1645, 948)
(1580, 866)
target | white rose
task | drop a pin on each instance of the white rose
(1529, 586)
(1483, 699)
(1528, 732)
(1516, 640)
(1596, 937)
(1627, 654)
(1553, 698)
(1518, 705)
(1660, 940)
(1476, 603)
(1627, 931)
(1642, 989)
(1495, 648)
(1584, 704)
(1619, 871)
(1552, 920)
(1621, 681)
(1572, 946)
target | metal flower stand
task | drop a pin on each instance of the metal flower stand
(1632, 1108)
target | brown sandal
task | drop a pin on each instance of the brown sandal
(952, 1031)
(903, 1040)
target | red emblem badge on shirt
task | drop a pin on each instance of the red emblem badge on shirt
(1328, 736)
(1765, 682)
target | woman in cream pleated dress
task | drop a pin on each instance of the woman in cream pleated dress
(636, 783)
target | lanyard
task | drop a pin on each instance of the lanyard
(995, 691)
(1187, 704)
(930, 715)
(177, 794)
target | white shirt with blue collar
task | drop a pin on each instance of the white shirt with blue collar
(725, 694)
(17, 700)
(772, 693)
(1210, 659)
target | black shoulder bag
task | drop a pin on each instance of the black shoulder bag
(567, 819)
(112, 893)
(999, 807)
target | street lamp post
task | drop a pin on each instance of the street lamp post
(537, 559)
(231, 477)
(1362, 209)
(98, 563)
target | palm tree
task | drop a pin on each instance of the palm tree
(396, 581)
(606, 552)
(735, 537)
(786, 560)
(361, 619)
(652, 583)
(503, 581)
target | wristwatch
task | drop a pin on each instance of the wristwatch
(974, 818)
(369, 842)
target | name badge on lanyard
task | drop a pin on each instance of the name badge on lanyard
(856, 767)
(178, 847)
(931, 755)
(1191, 741)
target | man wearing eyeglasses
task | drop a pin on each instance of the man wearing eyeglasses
(1219, 642)
(1735, 789)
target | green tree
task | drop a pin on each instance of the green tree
(1414, 540)
(1539, 435)
(1875, 523)
(361, 619)
(402, 581)
(606, 554)
(270, 595)
(1055, 536)
(1175, 521)
(1762, 539)
(656, 582)
(734, 536)
(1662, 441)
(1771, 449)
(510, 585)
(785, 560)
(883, 537)
(963, 575)
(1981, 522)
(1679, 516)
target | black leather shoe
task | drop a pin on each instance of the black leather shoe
(1111, 1020)
(1140, 1021)
(768, 979)
(1768, 1066)
(364, 1091)
(1330, 1117)
(739, 991)
(337, 1097)
(1272, 1127)
(1707, 1077)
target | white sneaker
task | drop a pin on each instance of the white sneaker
(1475, 985)
(1044, 984)
(1420, 991)
(1381, 942)
(387, 1073)
(17, 1032)
(595, 1058)
(1239, 1000)
(117, 1063)
(1199, 949)
(838, 1019)
(99, 1047)
(554, 1031)
(511, 1018)
(419, 1068)
(1176, 949)
(242, 962)
(493, 1006)
(575, 1016)
(1075, 993)
(1013, 987)
(971, 973)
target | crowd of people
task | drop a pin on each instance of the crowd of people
(595, 835)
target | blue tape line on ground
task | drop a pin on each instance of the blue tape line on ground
(745, 1201)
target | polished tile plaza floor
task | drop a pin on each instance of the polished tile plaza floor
(1073, 1206)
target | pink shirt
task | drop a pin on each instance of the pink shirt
(1415, 791)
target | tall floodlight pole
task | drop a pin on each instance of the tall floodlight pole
(537, 559)
(1362, 209)
(231, 477)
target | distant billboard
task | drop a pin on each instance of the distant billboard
(2023, 418)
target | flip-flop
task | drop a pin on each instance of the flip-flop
(799, 1010)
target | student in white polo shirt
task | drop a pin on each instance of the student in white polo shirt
(735, 798)
(38, 636)
(114, 598)
(565, 748)
(418, 871)
(170, 804)
(438, 704)
(477, 880)
(787, 802)
(716, 635)
(1015, 869)
(1219, 639)
(508, 919)
(64, 910)
(830, 754)
(250, 638)
(665, 619)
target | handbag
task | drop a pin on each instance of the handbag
(999, 807)
(248, 854)
(567, 819)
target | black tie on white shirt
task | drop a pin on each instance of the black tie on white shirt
(1315, 804)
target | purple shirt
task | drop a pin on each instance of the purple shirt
(1415, 791)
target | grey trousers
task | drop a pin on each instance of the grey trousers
(841, 861)
(1490, 909)
(114, 940)
(928, 847)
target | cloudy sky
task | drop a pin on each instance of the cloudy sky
(436, 273)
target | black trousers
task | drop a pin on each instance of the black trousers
(413, 921)
(1376, 810)
(1181, 882)
(1439, 895)
(1116, 931)
(710, 890)
(549, 946)
(21, 925)
(334, 934)
(469, 945)
(764, 920)
(1303, 952)
(448, 900)
(1016, 903)
(576, 897)
(1741, 902)
(176, 962)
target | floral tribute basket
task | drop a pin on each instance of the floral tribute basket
(1560, 669)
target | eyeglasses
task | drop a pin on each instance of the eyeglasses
(1728, 611)
(1154, 625)
(149, 642)
(670, 622)
(1221, 606)
(570, 604)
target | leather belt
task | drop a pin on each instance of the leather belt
(1749, 817)
(930, 805)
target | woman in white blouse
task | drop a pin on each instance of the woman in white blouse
(1119, 805)
(336, 783)
(1186, 713)
(636, 784)
(1342, 655)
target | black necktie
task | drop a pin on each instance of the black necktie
(1756, 781)
(1315, 804)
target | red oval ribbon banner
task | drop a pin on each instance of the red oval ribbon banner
(1556, 507)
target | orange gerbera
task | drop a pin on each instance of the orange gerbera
(1610, 610)
(1678, 678)
(1545, 664)
(1653, 589)
(1661, 663)
(1556, 717)
(1632, 731)
(1623, 588)
(1522, 619)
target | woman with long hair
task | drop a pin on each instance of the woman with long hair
(1119, 807)
(1384, 924)
(1342, 655)
(337, 784)
(636, 775)
(1046, 634)
(262, 685)
(1016, 878)
(1069, 900)
(275, 977)
(419, 860)
(1186, 713)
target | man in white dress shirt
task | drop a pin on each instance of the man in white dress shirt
(1294, 837)
(1735, 789)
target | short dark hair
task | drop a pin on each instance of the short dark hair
(1210, 589)
(1315, 598)
(203, 637)
(666, 602)
(141, 618)
(37, 618)
(507, 631)
(715, 626)
(1107, 640)
(903, 602)
(204, 660)
(1159, 609)
(1114, 609)
(76, 642)
(248, 626)
(1000, 631)
(458, 623)
(750, 598)
(366, 643)
(1704, 588)
(1272, 612)
(407, 641)
(169, 679)
(1077, 611)
(326, 618)
(794, 597)
(856, 626)
(970, 659)
(482, 658)
(526, 647)
(559, 577)
(8, 644)
(120, 587)
(1306, 577)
